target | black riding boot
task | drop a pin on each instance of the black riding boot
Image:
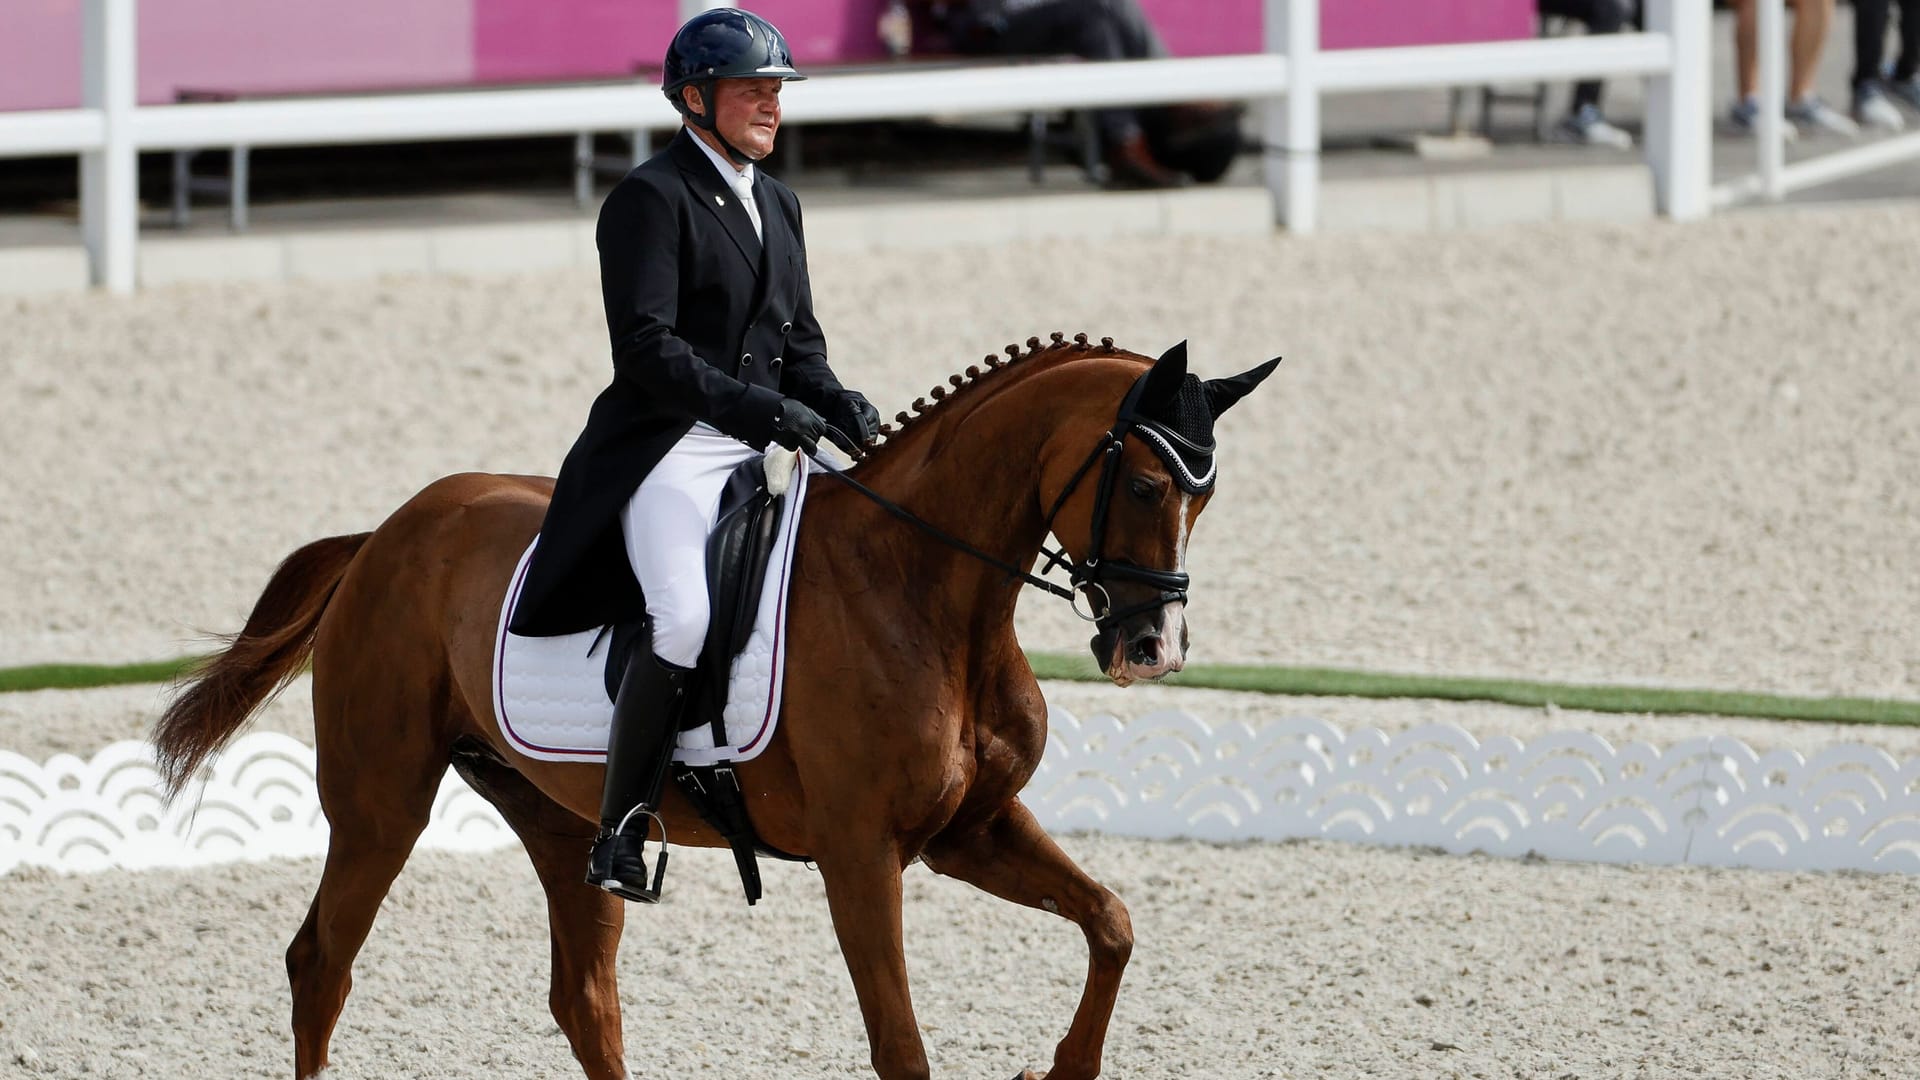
(646, 716)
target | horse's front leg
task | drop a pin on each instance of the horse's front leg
(1014, 859)
(863, 893)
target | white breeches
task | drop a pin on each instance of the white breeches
(666, 525)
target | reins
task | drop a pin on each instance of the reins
(948, 538)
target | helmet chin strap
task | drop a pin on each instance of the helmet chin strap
(704, 121)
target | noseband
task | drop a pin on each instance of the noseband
(1094, 572)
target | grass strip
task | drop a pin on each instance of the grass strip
(1258, 678)
(92, 676)
(1340, 682)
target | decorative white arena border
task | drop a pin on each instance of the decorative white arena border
(1569, 795)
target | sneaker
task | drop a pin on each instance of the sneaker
(1588, 127)
(1811, 112)
(1906, 91)
(1745, 117)
(1873, 111)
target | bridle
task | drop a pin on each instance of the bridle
(1093, 573)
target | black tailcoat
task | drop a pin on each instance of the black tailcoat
(707, 323)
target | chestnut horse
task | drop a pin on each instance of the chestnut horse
(912, 719)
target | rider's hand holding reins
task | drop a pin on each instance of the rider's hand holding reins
(855, 416)
(798, 427)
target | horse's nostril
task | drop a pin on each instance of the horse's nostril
(1147, 650)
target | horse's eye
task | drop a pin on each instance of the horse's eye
(1143, 489)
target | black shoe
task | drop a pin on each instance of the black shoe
(618, 864)
(1130, 164)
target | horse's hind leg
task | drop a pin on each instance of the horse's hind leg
(585, 921)
(1014, 859)
(377, 796)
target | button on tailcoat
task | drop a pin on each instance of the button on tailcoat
(708, 323)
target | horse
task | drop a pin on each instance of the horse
(911, 717)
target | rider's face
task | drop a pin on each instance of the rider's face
(747, 112)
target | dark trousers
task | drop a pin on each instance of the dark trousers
(1870, 39)
(1094, 29)
(1599, 17)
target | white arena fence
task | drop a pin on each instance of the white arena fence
(1288, 81)
(1569, 795)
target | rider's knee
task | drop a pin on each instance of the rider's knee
(679, 631)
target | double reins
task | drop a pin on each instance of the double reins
(948, 538)
(1088, 575)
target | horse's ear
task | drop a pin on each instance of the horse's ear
(1222, 393)
(1163, 381)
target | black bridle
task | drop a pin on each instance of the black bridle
(1095, 571)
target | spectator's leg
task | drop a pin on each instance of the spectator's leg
(1096, 30)
(1909, 63)
(1811, 19)
(1869, 40)
(1599, 17)
(1746, 48)
(1086, 28)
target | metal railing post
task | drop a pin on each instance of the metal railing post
(1771, 133)
(1679, 132)
(109, 175)
(1291, 128)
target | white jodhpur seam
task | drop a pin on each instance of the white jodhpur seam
(666, 525)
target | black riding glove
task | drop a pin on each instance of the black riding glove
(798, 427)
(855, 416)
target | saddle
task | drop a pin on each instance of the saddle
(738, 552)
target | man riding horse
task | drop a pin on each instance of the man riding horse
(716, 354)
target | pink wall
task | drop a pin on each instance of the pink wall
(1210, 28)
(549, 39)
(260, 45)
(827, 31)
(1357, 24)
(39, 54)
(294, 45)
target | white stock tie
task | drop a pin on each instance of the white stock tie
(743, 190)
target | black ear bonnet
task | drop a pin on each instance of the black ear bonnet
(1173, 412)
(1179, 428)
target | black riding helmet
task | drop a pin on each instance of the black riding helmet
(724, 43)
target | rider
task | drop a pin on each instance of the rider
(716, 354)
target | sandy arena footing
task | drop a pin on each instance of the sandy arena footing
(1672, 455)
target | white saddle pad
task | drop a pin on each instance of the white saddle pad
(550, 693)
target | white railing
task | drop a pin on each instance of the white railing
(1567, 795)
(1289, 80)
(1773, 178)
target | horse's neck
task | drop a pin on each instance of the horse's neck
(987, 502)
(972, 473)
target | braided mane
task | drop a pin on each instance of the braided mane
(1059, 347)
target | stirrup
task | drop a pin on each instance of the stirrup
(610, 849)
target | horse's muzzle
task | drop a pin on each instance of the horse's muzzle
(1148, 650)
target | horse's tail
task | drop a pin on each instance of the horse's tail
(258, 662)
